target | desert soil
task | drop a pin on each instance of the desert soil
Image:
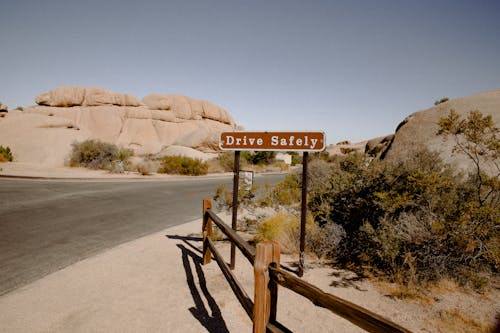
(156, 284)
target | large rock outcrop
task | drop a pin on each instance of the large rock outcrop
(420, 129)
(84, 96)
(43, 134)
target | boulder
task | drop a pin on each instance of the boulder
(187, 152)
(376, 147)
(84, 96)
(187, 108)
(345, 147)
(420, 129)
(4, 108)
(43, 134)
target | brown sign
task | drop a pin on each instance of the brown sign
(289, 141)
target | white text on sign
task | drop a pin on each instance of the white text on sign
(291, 141)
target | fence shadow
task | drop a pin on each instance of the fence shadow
(346, 279)
(210, 318)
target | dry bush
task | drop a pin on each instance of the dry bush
(183, 165)
(95, 154)
(147, 168)
(413, 293)
(5, 154)
(459, 322)
(282, 228)
(323, 241)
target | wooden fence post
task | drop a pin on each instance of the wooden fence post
(266, 292)
(207, 231)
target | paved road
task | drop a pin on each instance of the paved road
(48, 225)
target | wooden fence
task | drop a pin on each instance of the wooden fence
(265, 258)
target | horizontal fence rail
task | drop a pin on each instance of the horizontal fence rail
(238, 290)
(245, 248)
(357, 315)
(268, 275)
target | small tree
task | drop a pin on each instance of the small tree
(478, 138)
(442, 100)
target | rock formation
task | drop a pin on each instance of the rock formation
(43, 134)
(345, 147)
(420, 128)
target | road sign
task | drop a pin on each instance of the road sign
(288, 141)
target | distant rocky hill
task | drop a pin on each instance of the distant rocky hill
(420, 128)
(43, 134)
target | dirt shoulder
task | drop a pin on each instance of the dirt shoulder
(33, 171)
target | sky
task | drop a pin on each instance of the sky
(353, 69)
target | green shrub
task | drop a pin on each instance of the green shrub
(182, 165)
(259, 157)
(95, 154)
(442, 100)
(415, 220)
(226, 161)
(5, 154)
(224, 197)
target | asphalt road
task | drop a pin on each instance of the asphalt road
(48, 225)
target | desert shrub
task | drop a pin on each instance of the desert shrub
(226, 161)
(95, 154)
(147, 168)
(183, 165)
(5, 154)
(296, 158)
(413, 220)
(324, 240)
(283, 228)
(259, 157)
(286, 193)
(442, 100)
(224, 196)
(460, 322)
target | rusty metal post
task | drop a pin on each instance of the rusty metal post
(303, 214)
(236, 183)
(207, 231)
(265, 290)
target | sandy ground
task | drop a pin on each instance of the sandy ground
(157, 284)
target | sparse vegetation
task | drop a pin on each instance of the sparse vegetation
(259, 157)
(442, 100)
(459, 322)
(182, 165)
(283, 228)
(147, 168)
(5, 154)
(413, 222)
(95, 154)
(256, 161)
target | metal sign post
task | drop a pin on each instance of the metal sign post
(303, 213)
(236, 183)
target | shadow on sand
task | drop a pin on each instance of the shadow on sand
(213, 321)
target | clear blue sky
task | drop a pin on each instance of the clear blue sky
(354, 69)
